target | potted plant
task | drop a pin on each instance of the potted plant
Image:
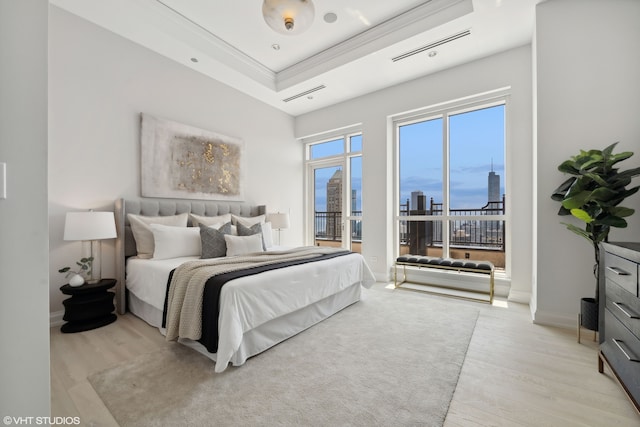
(593, 195)
(78, 276)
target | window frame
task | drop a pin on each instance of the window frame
(343, 160)
(444, 111)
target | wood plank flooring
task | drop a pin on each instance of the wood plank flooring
(515, 373)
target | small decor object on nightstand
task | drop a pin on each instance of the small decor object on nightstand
(90, 306)
(77, 278)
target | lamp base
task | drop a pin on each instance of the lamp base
(96, 267)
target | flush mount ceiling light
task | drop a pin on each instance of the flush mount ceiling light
(288, 16)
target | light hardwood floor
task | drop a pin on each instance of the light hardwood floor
(515, 373)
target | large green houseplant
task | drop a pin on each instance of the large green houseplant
(593, 195)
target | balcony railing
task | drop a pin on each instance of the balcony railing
(328, 226)
(463, 233)
(469, 238)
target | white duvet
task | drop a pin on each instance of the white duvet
(251, 301)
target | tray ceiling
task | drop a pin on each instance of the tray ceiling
(330, 62)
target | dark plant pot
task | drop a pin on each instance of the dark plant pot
(589, 314)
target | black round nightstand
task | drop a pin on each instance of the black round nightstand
(90, 306)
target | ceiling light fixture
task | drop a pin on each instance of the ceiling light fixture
(288, 16)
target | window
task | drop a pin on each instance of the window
(451, 183)
(334, 192)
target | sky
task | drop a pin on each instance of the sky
(476, 147)
(477, 144)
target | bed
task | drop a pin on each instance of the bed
(256, 311)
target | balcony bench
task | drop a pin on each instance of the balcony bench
(460, 276)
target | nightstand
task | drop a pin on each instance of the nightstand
(90, 306)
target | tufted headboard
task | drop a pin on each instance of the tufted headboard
(126, 244)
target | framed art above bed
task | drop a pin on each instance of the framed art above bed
(181, 161)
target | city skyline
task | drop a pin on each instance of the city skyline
(476, 144)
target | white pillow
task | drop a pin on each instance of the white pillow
(241, 245)
(143, 235)
(211, 221)
(248, 221)
(267, 235)
(174, 242)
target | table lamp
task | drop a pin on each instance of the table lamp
(279, 221)
(91, 226)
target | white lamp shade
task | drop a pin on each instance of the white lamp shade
(89, 226)
(299, 14)
(279, 221)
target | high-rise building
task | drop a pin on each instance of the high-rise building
(494, 187)
(334, 204)
(334, 192)
(494, 229)
(414, 199)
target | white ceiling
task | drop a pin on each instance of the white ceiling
(230, 42)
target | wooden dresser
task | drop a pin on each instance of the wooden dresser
(619, 315)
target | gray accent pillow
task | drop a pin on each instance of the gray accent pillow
(213, 243)
(243, 230)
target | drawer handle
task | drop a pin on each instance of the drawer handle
(626, 313)
(629, 358)
(618, 271)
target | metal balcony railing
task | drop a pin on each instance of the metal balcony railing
(464, 233)
(328, 226)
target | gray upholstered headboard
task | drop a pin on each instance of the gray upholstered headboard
(126, 245)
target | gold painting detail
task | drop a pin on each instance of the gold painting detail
(182, 161)
(205, 166)
(208, 153)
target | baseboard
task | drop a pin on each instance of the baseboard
(520, 296)
(554, 319)
(55, 319)
(381, 277)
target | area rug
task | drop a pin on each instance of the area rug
(392, 359)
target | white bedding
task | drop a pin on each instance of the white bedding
(147, 278)
(253, 301)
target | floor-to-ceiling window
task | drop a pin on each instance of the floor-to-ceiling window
(451, 192)
(334, 191)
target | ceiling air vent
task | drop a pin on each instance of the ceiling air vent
(306, 92)
(432, 45)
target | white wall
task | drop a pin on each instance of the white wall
(24, 278)
(99, 84)
(512, 68)
(588, 96)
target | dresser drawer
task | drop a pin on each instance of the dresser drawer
(622, 350)
(624, 306)
(622, 271)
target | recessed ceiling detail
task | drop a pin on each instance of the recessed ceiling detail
(330, 17)
(350, 56)
(421, 18)
(306, 92)
(432, 45)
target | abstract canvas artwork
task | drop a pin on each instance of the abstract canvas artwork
(181, 161)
